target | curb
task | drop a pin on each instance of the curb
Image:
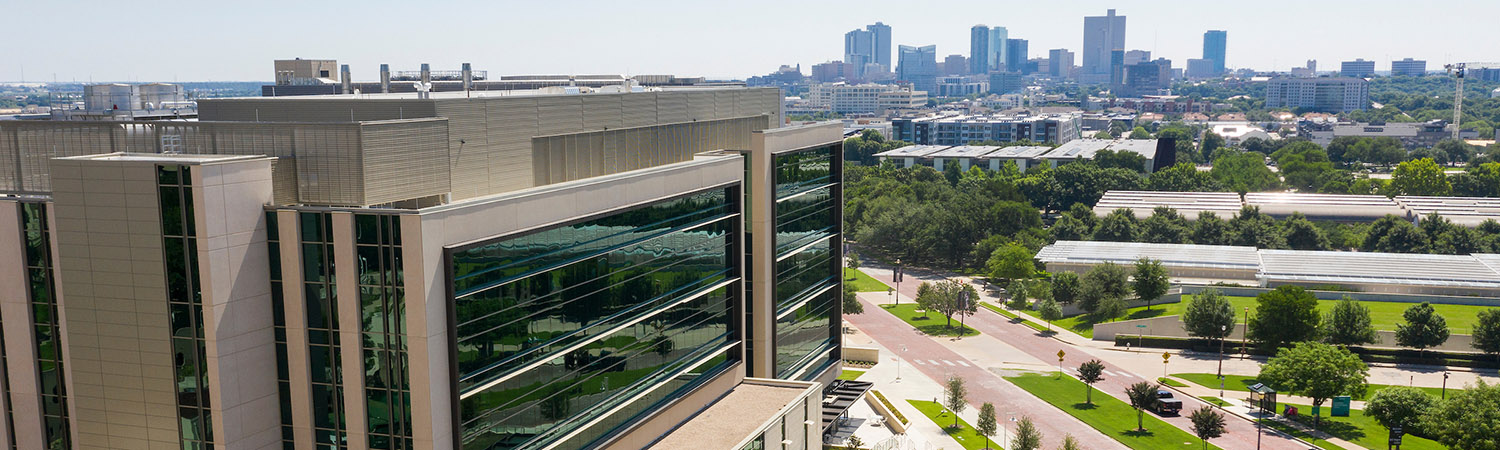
(1309, 445)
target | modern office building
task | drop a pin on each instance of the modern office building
(979, 49)
(1133, 57)
(1116, 67)
(955, 65)
(963, 85)
(1213, 48)
(1015, 56)
(918, 66)
(1101, 36)
(1170, 104)
(881, 33)
(1413, 135)
(999, 52)
(871, 45)
(966, 130)
(1329, 94)
(1308, 70)
(1059, 63)
(1358, 68)
(866, 98)
(1005, 82)
(1200, 68)
(1409, 67)
(1147, 78)
(483, 270)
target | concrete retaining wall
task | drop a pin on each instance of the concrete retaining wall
(1173, 297)
(1172, 326)
(1365, 296)
(863, 354)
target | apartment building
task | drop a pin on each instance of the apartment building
(1326, 94)
(481, 270)
(867, 98)
(965, 130)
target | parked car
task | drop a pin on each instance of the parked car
(1165, 404)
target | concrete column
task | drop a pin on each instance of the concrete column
(20, 344)
(295, 308)
(356, 422)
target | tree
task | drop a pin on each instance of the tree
(1348, 323)
(1141, 396)
(1119, 226)
(1467, 419)
(1301, 234)
(1090, 372)
(1165, 226)
(1209, 229)
(1085, 213)
(1207, 424)
(1150, 281)
(1011, 262)
(1244, 172)
(1103, 284)
(1140, 133)
(955, 396)
(1017, 291)
(1050, 311)
(853, 261)
(1400, 406)
(1487, 332)
(1182, 177)
(1065, 287)
(1316, 370)
(854, 443)
(1251, 228)
(1068, 228)
(926, 298)
(1209, 315)
(1423, 328)
(1070, 443)
(1419, 177)
(1285, 315)
(851, 304)
(1103, 134)
(987, 424)
(1027, 436)
(1211, 142)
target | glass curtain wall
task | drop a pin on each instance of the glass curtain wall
(557, 327)
(278, 317)
(807, 242)
(38, 243)
(382, 299)
(185, 306)
(324, 362)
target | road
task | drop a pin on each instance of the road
(1241, 434)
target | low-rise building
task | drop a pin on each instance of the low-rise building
(1411, 134)
(1409, 67)
(1170, 104)
(962, 85)
(1336, 95)
(1358, 68)
(1237, 133)
(911, 155)
(871, 98)
(964, 130)
(1085, 149)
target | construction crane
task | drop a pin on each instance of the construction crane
(1457, 70)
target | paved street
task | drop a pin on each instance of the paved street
(1241, 435)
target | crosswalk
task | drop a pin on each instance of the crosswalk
(944, 362)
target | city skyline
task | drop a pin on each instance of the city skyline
(1265, 38)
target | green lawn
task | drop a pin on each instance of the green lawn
(1298, 433)
(863, 282)
(931, 323)
(1108, 414)
(1170, 382)
(1242, 383)
(1010, 315)
(964, 434)
(1384, 315)
(1219, 402)
(850, 374)
(1362, 430)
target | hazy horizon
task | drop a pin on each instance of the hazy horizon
(190, 41)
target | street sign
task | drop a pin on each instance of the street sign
(1060, 355)
(1340, 406)
(1165, 356)
(1396, 434)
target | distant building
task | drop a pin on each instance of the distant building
(881, 33)
(999, 51)
(1168, 104)
(1101, 36)
(1116, 67)
(1133, 57)
(1059, 63)
(1308, 71)
(1213, 48)
(1358, 68)
(129, 102)
(918, 65)
(832, 71)
(1235, 134)
(846, 98)
(1495, 93)
(979, 49)
(964, 130)
(955, 65)
(301, 72)
(1005, 82)
(1413, 135)
(1409, 67)
(1486, 74)
(1147, 78)
(1085, 149)
(1200, 68)
(871, 45)
(1016, 56)
(1333, 95)
(962, 85)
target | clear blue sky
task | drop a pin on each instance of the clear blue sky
(216, 40)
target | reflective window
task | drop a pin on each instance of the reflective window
(322, 313)
(647, 290)
(39, 269)
(185, 306)
(808, 244)
(382, 301)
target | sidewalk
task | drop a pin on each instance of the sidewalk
(1240, 408)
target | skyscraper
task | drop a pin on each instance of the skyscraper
(998, 50)
(1059, 63)
(979, 49)
(859, 49)
(1101, 35)
(881, 34)
(1213, 48)
(918, 65)
(1015, 56)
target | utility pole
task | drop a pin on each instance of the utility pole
(1222, 329)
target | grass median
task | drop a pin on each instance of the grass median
(1109, 415)
(863, 282)
(1014, 317)
(1242, 383)
(1383, 315)
(931, 323)
(1361, 429)
(963, 433)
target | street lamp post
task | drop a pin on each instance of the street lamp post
(898, 362)
(1445, 385)
(1223, 329)
(1243, 338)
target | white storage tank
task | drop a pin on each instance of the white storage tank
(155, 95)
(111, 96)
